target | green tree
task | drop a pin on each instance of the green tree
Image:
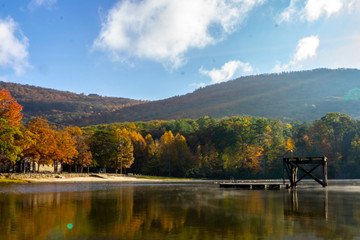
(103, 146)
(183, 159)
(151, 163)
(10, 151)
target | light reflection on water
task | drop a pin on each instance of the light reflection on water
(196, 210)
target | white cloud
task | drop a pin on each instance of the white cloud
(39, 3)
(312, 10)
(164, 30)
(353, 5)
(13, 47)
(305, 49)
(227, 71)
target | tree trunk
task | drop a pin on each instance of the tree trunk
(88, 168)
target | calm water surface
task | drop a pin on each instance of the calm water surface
(196, 210)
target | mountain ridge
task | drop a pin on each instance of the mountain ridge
(303, 96)
(62, 106)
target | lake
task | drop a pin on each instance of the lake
(178, 210)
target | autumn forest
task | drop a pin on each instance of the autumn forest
(239, 147)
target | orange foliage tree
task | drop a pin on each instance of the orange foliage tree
(65, 150)
(43, 146)
(9, 108)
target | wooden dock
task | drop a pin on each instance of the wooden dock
(254, 186)
(293, 164)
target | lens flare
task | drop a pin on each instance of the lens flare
(352, 95)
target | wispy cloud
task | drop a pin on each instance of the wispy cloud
(289, 13)
(305, 49)
(227, 71)
(40, 3)
(165, 30)
(343, 53)
(13, 47)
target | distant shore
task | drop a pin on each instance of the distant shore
(68, 177)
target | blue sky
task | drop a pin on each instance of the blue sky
(154, 49)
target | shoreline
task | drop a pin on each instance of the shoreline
(79, 178)
(88, 179)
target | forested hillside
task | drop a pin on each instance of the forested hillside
(303, 96)
(241, 147)
(59, 106)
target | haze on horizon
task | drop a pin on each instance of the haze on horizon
(152, 49)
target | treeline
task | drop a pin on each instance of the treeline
(239, 147)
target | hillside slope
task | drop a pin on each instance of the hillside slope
(303, 96)
(61, 107)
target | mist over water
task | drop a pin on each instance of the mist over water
(192, 210)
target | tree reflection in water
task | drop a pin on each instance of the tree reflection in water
(178, 211)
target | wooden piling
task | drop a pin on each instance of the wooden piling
(293, 164)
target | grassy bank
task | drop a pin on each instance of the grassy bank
(6, 180)
(162, 178)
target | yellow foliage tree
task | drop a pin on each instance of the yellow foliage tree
(125, 149)
(84, 156)
(243, 156)
(290, 145)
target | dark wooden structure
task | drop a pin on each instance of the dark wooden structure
(292, 164)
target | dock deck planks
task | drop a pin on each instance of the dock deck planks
(254, 186)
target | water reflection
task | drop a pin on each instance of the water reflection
(306, 203)
(178, 211)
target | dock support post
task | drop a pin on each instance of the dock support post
(325, 172)
(293, 164)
